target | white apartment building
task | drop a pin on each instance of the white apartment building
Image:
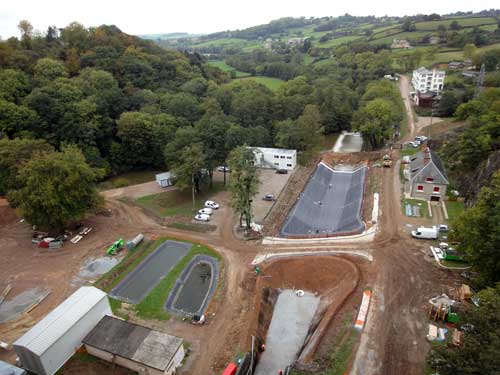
(424, 80)
(276, 158)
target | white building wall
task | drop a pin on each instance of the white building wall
(275, 158)
(424, 80)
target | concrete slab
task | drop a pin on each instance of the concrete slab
(12, 308)
(290, 323)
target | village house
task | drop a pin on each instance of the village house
(428, 178)
(400, 44)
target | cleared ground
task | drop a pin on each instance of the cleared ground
(270, 183)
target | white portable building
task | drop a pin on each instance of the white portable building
(164, 179)
(277, 158)
(53, 340)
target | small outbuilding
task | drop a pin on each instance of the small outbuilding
(135, 347)
(164, 179)
(47, 346)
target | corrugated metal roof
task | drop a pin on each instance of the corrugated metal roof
(132, 341)
(48, 330)
(163, 176)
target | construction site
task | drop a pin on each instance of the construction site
(335, 278)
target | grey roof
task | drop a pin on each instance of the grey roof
(425, 164)
(8, 369)
(164, 176)
(282, 151)
(55, 324)
(134, 342)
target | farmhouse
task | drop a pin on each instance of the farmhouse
(428, 178)
(276, 158)
(51, 342)
(424, 80)
(135, 347)
(400, 44)
(164, 179)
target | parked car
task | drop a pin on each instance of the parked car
(425, 233)
(414, 144)
(206, 211)
(211, 204)
(202, 217)
(269, 197)
(224, 169)
(281, 171)
(443, 228)
(421, 138)
(406, 159)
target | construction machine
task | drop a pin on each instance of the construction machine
(387, 161)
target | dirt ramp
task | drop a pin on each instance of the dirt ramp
(332, 278)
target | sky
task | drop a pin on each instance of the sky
(205, 16)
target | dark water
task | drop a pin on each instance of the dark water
(195, 289)
(149, 273)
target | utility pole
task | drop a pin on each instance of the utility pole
(479, 82)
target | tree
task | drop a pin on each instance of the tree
(16, 119)
(26, 30)
(187, 169)
(479, 354)
(454, 25)
(244, 182)
(57, 188)
(13, 154)
(376, 121)
(408, 25)
(478, 233)
(470, 50)
(14, 85)
(47, 70)
(310, 124)
(448, 104)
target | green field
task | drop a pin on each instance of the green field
(464, 22)
(221, 64)
(271, 83)
(226, 42)
(338, 41)
(176, 202)
(409, 35)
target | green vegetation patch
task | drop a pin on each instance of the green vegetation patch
(176, 202)
(151, 307)
(454, 208)
(338, 41)
(221, 64)
(463, 22)
(128, 179)
(271, 83)
(423, 209)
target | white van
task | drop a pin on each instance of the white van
(425, 233)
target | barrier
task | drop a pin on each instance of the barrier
(363, 310)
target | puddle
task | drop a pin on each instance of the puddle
(290, 323)
(97, 267)
(12, 308)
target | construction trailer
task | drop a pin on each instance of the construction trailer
(165, 179)
(275, 158)
(47, 346)
(135, 347)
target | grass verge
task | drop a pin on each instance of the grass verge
(176, 202)
(151, 307)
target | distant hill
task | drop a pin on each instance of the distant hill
(167, 36)
(329, 32)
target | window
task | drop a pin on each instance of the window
(289, 165)
(289, 157)
(276, 156)
(436, 189)
(429, 179)
(420, 187)
(277, 164)
(282, 157)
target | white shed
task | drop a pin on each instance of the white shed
(164, 179)
(53, 340)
